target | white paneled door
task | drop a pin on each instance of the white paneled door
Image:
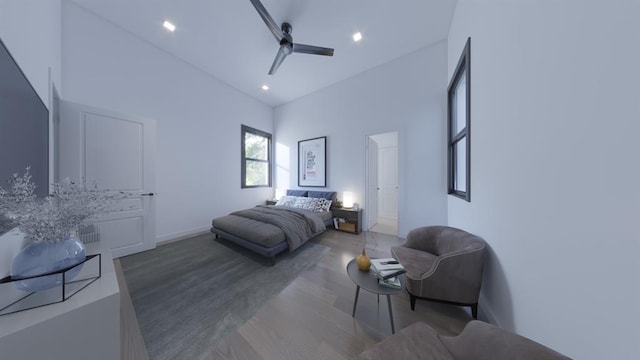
(117, 152)
(388, 183)
(372, 180)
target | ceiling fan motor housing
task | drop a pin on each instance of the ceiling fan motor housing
(286, 28)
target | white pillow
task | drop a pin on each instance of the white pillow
(287, 200)
(305, 203)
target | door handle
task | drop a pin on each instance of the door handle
(148, 194)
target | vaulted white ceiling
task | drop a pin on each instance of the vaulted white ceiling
(229, 40)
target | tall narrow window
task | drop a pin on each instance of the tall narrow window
(256, 158)
(459, 119)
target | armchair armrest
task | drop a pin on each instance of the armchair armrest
(482, 341)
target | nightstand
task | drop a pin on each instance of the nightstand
(272, 202)
(353, 220)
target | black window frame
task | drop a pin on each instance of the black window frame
(462, 68)
(243, 159)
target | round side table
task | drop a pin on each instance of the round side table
(367, 281)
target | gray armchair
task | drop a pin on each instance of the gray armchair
(443, 264)
(478, 341)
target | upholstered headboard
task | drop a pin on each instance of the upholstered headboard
(297, 193)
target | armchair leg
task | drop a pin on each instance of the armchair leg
(474, 311)
(413, 302)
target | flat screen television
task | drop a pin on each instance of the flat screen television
(24, 127)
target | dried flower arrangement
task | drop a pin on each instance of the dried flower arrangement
(57, 216)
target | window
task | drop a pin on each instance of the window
(458, 119)
(256, 158)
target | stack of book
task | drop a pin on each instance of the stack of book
(387, 270)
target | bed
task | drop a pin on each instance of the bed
(271, 229)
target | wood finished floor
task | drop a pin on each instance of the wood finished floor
(311, 318)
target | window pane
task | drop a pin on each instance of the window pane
(256, 147)
(458, 100)
(257, 173)
(460, 150)
(460, 112)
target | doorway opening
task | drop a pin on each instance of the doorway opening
(382, 180)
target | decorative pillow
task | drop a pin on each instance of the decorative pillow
(305, 203)
(287, 201)
(329, 195)
(322, 205)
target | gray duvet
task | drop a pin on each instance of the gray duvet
(298, 225)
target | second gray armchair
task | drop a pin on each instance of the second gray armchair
(443, 264)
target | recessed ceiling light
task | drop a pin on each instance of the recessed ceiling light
(357, 36)
(265, 87)
(169, 26)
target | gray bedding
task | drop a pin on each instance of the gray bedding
(297, 225)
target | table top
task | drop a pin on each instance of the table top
(96, 294)
(369, 282)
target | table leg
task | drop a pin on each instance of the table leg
(355, 301)
(393, 330)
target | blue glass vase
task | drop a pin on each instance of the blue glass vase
(46, 260)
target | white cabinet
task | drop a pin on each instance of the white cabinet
(86, 326)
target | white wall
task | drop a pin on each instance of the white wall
(406, 95)
(31, 31)
(554, 124)
(198, 118)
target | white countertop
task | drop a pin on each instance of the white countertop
(105, 286)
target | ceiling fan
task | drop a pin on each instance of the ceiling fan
(283, 35)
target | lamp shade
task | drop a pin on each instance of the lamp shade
(347, 199)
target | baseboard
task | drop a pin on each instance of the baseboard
(181, 235)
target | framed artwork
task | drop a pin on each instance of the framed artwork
(312, 162)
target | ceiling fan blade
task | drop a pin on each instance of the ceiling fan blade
(310, 49)
(280, 56)
(271, 24)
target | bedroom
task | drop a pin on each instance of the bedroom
(535, 187)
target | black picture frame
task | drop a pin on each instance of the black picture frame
(312, 162)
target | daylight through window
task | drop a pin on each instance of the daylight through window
(256, 158)
(459, 117)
